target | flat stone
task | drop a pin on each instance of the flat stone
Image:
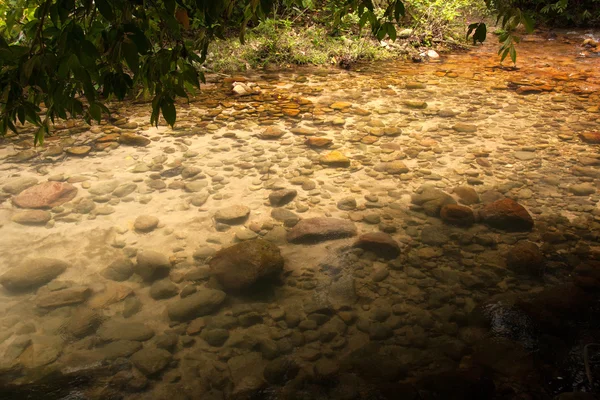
(334, 159)
(432, 200)
(163, 289)
(525, 258)
(124, 190)
(464, 128)
(113, 330)
(131, 139)
(45, 195)
(379, 243)
(102, 188)
(243, 264)
(582, 189)
(32, 274)
(272, 132)
(199, 304)
(78, 150)
(16, 186)
(318, 142)
(320, 229)
(525, 155)
(590, 137)
(232, 215)
(32, 217)
(64, 297)
(289, 218)
(417, 104)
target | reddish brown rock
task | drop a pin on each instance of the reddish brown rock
(319, 229)
(529, 90)
(379, 243)
(587, 275)
(272, 132)
(241, 265)
(457, 215)
(318, 142)
(45, 195)
(590, 137)
(507, 215)
(525, 258)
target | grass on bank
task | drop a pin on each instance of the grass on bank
(285, 40)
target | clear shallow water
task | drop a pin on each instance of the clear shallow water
(432, 308)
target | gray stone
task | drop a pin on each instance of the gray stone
(124, 189)
(103, 188)
(16, 186)
(32, 217)
(288, 217)
(150, 361)
(582, 189)
(281, 197)
(232, 215)
(196, 305)
(119, 270)
(347, 204)
(432, 200)
(32, 274)
(152, 265)
(113, 330)
(163, 289)
(320, 229)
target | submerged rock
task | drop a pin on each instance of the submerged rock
(241, 265)
(152, 265)
(131, 139)
(32, 274)
(432, 200)
(320, 229)
(232, 215)
(335, 159)
(45, 195)
(196, 305)
(525, 258)
(32, 217)
(507, 215)
(457, 215)
(379, 243)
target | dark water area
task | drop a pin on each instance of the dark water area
(398, 231)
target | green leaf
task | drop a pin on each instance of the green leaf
(168, 111)
(105, 9)
(528, 22)
(399, 11)
(131, 56)
(480, 33)
(513, 54)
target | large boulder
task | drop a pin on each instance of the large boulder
(507, 215)
(32, 274)
(319, 229)
(241, 265)
(45, 195)
(196, 305)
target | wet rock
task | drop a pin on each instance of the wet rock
(590, 137)
(145, 223)
(64, 297)
(503, 356)
(434, 236)
(84, 206)
(417, 104)
(379, 243)
(32, 274)
(320, 229)
(102, 188)
(240, 266)
(196, 305)
(204, 252)
(215, 337)
(396, 167)
(281, 197)
(326, 369)
(318, 142)
(83, 322)
(78, 150)
(289, 218)
(432, 200)
(347, 204)
(124, 190)
(199, 200)
(232, 215)
(525, 258)
(455, 214)
(467, 195)
(280, 371)
(16, 186)
(45, 195)
(119, 270)
(114, 329)
(582, 189)
(32, 217)
(464, 128)
(272, 132)
(334, 159)
(150, 361)
(587, 274)
(163, 289)
(131, 139)
(152, 265)
(507, 215)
